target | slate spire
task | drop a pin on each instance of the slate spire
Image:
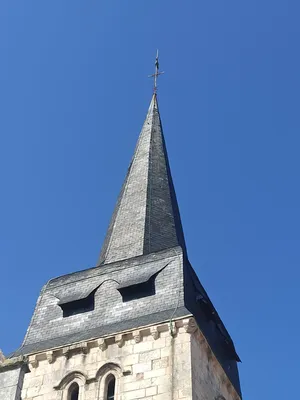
(146, 217)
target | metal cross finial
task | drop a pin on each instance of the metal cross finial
(156, 74)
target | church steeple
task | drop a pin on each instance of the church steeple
(142, 313)
(146, 217)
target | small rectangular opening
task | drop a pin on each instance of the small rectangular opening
(79, 306)
(138, 291)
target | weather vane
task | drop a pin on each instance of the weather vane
(156, 74)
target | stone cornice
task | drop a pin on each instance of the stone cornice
(188, 324)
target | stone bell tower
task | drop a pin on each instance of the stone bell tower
(139, 325)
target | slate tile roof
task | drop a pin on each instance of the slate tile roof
(146, 218)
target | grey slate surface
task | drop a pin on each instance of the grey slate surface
(110, 314)
(103, 331)
(146, 218)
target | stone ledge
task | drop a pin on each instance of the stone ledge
(13, 363)
(173, 327)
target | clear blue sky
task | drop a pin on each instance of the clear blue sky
(73, 95)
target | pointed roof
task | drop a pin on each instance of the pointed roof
(146, 217)
(144, 243)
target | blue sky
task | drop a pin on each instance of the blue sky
(74, 93)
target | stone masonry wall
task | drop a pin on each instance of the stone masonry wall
(11, 381)
(148, 364)
(209, 381)
(162, 362)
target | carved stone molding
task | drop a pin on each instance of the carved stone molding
(50, 357)
(33, 362)
(69, 351)
(137, 336)
(154, 332)
(189, 325)
(102, 344)
(172, 329)
(119, 339)
(65, 352)
(186, 324)
(84, 348)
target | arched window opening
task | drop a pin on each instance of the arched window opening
(73, 392)
(111, 383)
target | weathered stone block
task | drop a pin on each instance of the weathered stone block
(151, 391)
(161, 363)
(149, 355)
(141, 367)
(134, 394)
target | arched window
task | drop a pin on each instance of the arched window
(73, 393)
(111, 383)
